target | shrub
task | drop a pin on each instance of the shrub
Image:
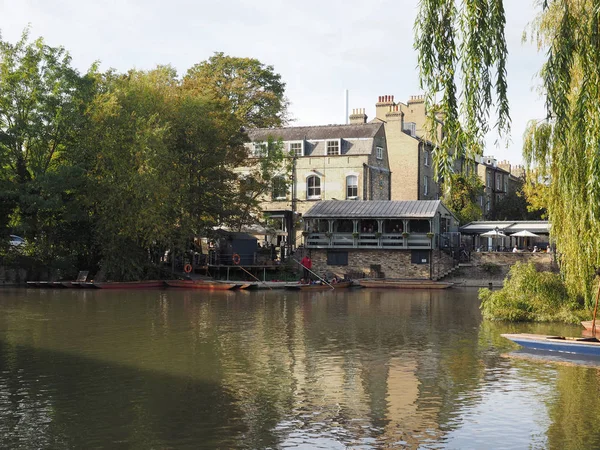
(531, 296)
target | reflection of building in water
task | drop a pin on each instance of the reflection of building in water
(301, 366)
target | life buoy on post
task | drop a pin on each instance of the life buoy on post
(187, 268)
(236, 259)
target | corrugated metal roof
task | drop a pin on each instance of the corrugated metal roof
(375, 209)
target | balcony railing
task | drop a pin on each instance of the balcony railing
(369, 240)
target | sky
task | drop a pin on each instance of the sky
(320, 48)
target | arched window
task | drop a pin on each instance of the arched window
(279, 188)
(351, 186)
(313, 187)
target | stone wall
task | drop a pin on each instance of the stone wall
(391, 263)
(542, 261)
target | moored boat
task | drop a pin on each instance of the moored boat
(195, 284)
(150, 284)
(406, 284)
(319, 287)
(581, 346)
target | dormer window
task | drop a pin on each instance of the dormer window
(333, 147)
(297, 148)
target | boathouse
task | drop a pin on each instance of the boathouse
(384, 239)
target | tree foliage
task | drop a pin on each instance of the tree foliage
(253, 92)
(463, 195)
(462, 64)
(563, 149)
(109, 170)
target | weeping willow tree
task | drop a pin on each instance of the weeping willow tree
(462, 54)
(462, 63)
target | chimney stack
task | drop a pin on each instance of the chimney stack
(358, 116)
(384, 105)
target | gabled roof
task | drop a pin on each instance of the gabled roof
(352, 131)
(373, 209)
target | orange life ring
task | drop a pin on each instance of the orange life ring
(187, 268)
(236, 259)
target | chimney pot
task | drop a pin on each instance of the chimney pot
(392, 98)
(380, 99)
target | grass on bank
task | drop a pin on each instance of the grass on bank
(532, 296)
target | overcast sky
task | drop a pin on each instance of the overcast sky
(320, 48)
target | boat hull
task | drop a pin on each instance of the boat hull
(152, 284)
(208, 285)
(319, 287)
(558, 344)
(405, 284)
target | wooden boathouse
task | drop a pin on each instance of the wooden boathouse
(382, 239)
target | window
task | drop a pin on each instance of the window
(259, 149)
(297, 148)
(337, 258)
(333, 147)
(426, 185)
(279, 188)
(488, 179)
(351, 186)
(379, 153)
(426, 158)
(313, 187)
(498, 181)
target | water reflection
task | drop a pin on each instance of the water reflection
(358, 369)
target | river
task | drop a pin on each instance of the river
(364, 369)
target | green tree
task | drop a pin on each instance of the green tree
(462, 196)
(42, 101)
(253, 92)
(515, 206)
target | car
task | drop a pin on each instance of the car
(16, 241)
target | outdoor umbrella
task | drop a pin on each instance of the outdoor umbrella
(524, 233)
(493, 233)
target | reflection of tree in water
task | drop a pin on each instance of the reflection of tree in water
(574, 409)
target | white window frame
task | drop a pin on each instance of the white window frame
(338, 142)
(314, 196)
(293, 152)
(351, 197)
(259, 149)
(425, 185)
(488, 179)
(379, 152)
(426, 157)
(284, 197)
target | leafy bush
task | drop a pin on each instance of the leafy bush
(531, 296)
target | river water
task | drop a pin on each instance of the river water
(363, 369)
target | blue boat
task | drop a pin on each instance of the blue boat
(577, 346)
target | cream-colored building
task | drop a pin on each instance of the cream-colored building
(331, 162)
(409, 150)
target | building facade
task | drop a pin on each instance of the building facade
(410, 152)
(498, 181)
(392, 239)
(331, 162)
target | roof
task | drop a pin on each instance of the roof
(513, 226)
(352, 131)
(381, 209)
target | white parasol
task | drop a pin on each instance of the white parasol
(493, 233)
(524, 233)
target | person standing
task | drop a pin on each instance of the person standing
(307, 265)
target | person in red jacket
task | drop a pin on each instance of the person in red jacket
(307, 264)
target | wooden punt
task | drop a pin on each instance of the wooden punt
(193, 284)
(405, 284)
(149, 284)
(319, 287)
(561, 344)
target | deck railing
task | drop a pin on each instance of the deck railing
(369, 240)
